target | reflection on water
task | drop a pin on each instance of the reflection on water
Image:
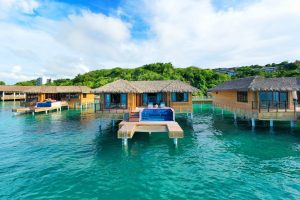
(65, 155)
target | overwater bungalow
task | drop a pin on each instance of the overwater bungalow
(75, 96)
(260, 98)
(12, 92)
(150, 106)
(47, 98)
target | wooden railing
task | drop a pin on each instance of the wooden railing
(272, 106)
(112, 108)
(12, 97)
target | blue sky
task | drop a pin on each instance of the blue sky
(60, 39)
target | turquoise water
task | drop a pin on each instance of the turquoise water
(64, 156)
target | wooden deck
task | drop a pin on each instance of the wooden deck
(128, 129)
(263, 114)
(33, 110)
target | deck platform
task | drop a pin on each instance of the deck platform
(128, 129)
(33, 110)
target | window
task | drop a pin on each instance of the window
(84, 96)
(31, 97)
(74, 96)
(273, 96)
(180, 97)
(242, 97)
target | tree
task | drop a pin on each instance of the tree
(27, 83)
(2, 83)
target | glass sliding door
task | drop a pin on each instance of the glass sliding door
(274, 99)
(115, 101)
(283, 99)
(153, 98)
(107, 100)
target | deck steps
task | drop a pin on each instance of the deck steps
(134, 117)
(175, 131)
(126, 131)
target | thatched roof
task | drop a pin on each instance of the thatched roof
(119, 86)
(122, 86)
(260, 84)
(58, 89)
(237, 84)
(274, 84)
(14, 88)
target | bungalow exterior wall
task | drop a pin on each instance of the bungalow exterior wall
(229, 99)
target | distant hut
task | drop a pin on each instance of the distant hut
(13, 92)
(73, 95)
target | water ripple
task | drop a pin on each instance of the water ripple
(64, 156)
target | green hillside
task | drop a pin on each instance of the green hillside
(200, 78)
(197, 77)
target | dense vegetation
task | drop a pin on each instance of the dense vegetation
(200, 78)
(2, 83)
(27, 83)
(284, 69)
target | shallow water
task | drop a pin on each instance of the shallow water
(64, 156)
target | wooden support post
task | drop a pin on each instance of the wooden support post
(192, 116)
(113, 123)
(149, 133)
(100, 126)
(253, 122)
(292, 123)
(125, 141)
(271, 123)
(14, 96)
(32, 113)
(222, 112)
(46, 111)
(175, 141)
(3, 95)
(234, 116)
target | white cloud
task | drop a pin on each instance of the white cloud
(7, 7)
(189, 32)
(193, 32)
